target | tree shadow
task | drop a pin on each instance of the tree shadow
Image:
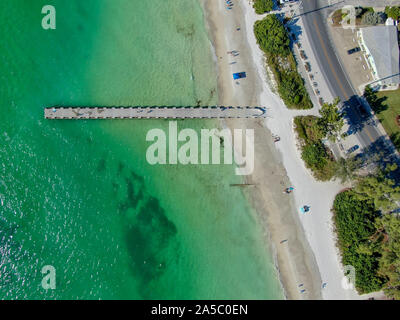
(352, 115)
(294, 29)
(377, 104)
(395, 137)
(381, 152)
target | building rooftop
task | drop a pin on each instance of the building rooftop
(382, 43)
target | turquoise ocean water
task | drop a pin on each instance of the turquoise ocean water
(80, 196)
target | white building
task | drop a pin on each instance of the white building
(390, 22)
(381, 49)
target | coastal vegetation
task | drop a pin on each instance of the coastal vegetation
(274, 41)
(373, 18)
(337, 17)
(365, 215)
(314, 153)
(354, 223)
(311, 131)
(386, 105)
(346, 168)
(363, 15)
(368, 231)
(393, 12)
(263, 6)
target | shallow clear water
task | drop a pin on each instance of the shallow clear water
(79, 195)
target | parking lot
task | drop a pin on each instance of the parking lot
(355, 65)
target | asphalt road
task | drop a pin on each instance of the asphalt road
(314, 14)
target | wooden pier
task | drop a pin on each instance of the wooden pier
(153, 112)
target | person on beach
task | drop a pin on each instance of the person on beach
(304, 209)
(288, 190)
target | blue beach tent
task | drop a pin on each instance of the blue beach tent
(239, 75)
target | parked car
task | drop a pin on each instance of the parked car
(353, 148)
(348, 133)
(354, 50)
(315, 84)
(317, 92)
(303, 55)
(311, 76)
(321, 101)
(363, 111)
(307, 66)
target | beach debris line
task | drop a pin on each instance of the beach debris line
(241, 184)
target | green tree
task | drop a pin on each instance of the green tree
(314, 155)
(331, 119)
(354, 223)
(309, 129)
(289, 88)
(389, 264)
(346, 168)
(318, 160)
(377, 104)
(369, 94)
(271, 36)
(358, 11)
(263, 6)
(373, 18)
(393, 12)
(381, 189)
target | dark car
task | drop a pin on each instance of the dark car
(363, 111)
(352, 149)
(354, 50)
(348, 133)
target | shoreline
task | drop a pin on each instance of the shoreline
(294, 259)
(310, 257)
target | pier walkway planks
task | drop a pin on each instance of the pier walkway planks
(153, 112)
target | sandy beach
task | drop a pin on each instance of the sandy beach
(308, 258)
(294, 259)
